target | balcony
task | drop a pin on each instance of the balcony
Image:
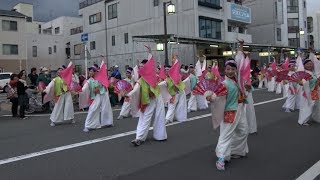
(237, 13)
(232, 36)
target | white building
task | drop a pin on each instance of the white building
(279, 22)
(121, 28)
(314, 29)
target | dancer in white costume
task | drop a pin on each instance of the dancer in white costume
(290, 103)
(100, 112)
(126, 107)
(63, 109)
(250, 111)
(263, 82)
(147, 100)
(310, 98)
(271, 80)
(177, 106)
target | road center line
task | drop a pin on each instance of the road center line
(107, 138)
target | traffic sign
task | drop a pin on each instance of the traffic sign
(84, 37)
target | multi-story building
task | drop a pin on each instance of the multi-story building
(119, 29)
(313, 26)
(279, 22)
(12, 42)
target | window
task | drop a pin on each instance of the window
(34, 51)
(112, 11)
(304, 4)
(126, 38)
(77, 49)
(242, 30)
(305, 24)
(310, 24)
(278, 34)
(92, 45)
(155, 2)
(293, 6)
(10, 49)
(39, 28)
(293, 42)
(9, 25)
(209, 28)
(50, 50)
(54, 48)
(276, 9)
(95, 18)
(113, 40)
(76, 30)
(293, 25)
(210, 3)
(57, 30)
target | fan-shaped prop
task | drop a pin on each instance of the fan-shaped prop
(122, 86)
(209, 85)
(75, 86)
(282, 75)
(298, 76)
(271, 73)
(113, 80)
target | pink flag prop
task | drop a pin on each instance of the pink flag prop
(66, 74)
(215, 71)
(162, 74)
(148, 73)
(274, 66)
(174, 72)
(102, 75)
(285, 65)
(247, 70)
(300, 66)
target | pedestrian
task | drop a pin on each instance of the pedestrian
(33, 76)
(116, 73)
(146, 99)
(11, 90)
(22, 95)
(100, 112)
(63, 109)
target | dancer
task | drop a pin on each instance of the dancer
(146, 99)
(289, 105)
(100, 112)
(58, 90)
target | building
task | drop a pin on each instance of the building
(279, 22)
(119, 29)
(314, 29)
(12, 42)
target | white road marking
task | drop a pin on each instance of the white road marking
(311, 173)
(93, 141)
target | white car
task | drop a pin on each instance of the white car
(4, 78)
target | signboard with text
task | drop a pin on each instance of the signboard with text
(240, 13)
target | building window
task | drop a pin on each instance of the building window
(78, 49)
(209, 28)
(293, 25)
(126, 38)
(276, 9)
(55, 49)
(95, 18)
(76, 30)
(10, 49)
(293, 6)
(310, 24)
(92, 45)
(155, 2)
(293, 42)
(57, 30)
(112, 11)
(304, 4)
(242, 30)
(113, 40)
(9, 25)
(39, 28)
(278, 34)
(34, 51)
(210, 3)
(50, 50)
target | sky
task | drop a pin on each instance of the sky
(45, 10)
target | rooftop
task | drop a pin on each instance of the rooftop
(11, 14)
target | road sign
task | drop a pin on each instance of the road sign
(84, 37)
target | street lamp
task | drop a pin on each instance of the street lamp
(159, 47)
(170, 9)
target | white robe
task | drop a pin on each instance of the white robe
(197, 102)
(285, 90)
(291, 99)
(100, 112)
(63, 109)
(278, 87)
(271, 84)
(125, 109)
(233, 136)
(251, 114)
(177, 109)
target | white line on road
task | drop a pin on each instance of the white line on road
(311, 173)
(93, 141)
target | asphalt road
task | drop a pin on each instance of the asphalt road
(281, 150)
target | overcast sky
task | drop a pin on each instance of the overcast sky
(45, 10)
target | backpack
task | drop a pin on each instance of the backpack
(11, 93)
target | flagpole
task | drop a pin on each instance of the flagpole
(86, 59)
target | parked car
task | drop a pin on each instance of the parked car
(4, 78)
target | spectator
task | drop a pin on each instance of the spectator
(82, 78)
(33, 76)
(22, 95)
(12, 94)
(45, 78)
(116, 74)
